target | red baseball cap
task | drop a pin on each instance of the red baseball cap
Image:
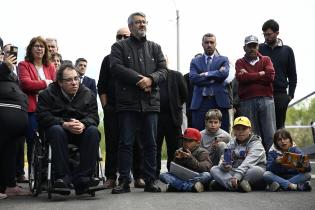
(193, 134)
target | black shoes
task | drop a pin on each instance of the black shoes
(123, 187)
(62, 183)
(152, 187)
(83, 184)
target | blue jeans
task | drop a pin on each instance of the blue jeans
(198, 116)
(185, 185)
(30, 134)
(131, 123)
(285, 180)
(261, 113)
(254, 175)
(88, 143)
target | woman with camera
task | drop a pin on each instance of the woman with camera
(13, 118)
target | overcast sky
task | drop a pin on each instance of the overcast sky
(87, 28)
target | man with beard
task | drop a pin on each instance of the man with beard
(138, 66)
(67, 112)
(282, 57)
(207, 75)
(106, 91)
(255, 75)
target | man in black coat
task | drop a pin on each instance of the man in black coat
(282, 57)
(67, 112)
(138, 66)
(106, 92)
(173, 94)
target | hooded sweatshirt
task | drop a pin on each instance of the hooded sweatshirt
(246, 155)
(207, 137)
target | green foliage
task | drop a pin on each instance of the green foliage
(101, 130)
(302, 115)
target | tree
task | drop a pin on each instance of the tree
(301, 115)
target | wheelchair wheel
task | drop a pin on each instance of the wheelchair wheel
(49, 185)
(35, 169)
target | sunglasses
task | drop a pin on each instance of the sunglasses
(120, 36)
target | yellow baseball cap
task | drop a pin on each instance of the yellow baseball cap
(242, 121)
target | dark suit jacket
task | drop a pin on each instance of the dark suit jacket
(89, 83)
(177, 93)
(214, 80)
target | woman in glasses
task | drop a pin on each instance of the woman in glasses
(35, 74)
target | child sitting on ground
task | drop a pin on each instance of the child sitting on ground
(246, 165)
(213, 138)
(279, 175)
(193, 157)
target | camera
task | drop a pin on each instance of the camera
(14, 52)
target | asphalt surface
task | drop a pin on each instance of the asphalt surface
(139, 200)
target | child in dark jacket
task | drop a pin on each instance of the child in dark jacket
(280, 176)
(193, 157)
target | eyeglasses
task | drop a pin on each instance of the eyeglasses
(138, 22)
(70, 80)
(39, 46)
(121, 36)
(267, 34)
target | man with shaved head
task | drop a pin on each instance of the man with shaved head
(106, 93)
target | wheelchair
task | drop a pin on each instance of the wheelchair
(40, 172)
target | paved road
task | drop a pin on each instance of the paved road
(139, 200)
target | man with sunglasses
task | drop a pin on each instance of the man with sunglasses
(138, 66)
(106, 91)
(282, 57)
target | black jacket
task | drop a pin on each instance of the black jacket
(177, 93)
(106, 84)
(53, 108)
(130, 58)
(282, 57)
(10, 92)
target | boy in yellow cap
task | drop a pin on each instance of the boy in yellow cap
(246, 165)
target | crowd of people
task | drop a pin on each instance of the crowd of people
(145, 102)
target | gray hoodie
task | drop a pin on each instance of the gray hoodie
(207, 138)
(247, 155)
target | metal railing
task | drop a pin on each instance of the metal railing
(310, 149)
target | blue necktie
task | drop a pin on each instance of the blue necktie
(208, 63)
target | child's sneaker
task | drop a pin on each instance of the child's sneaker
(170, 188)
(274, 187)
(198, 187)
(305, 186)
(245, 186)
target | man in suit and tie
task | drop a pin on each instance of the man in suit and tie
(81, 65)
(207, 75)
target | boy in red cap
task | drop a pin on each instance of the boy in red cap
(193, 157)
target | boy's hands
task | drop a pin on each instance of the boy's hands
(182, 154)
(226, 167)
(234, 183)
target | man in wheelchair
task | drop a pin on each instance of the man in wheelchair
(67, 113)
